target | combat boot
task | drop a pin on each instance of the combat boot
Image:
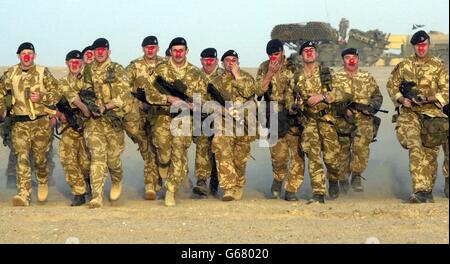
(446, 187)
(357, 183)
(200, 189)
(116, 191)
(42, 192)
(429, 197)
(96, 203)
(150, 193)
(418, 197)
(290, 196)
(78, 200)
(317, 198)
(228, 195)
(276, 188)
(344, 186)
(170, 199)
(238, 192)
(333, 189)
(19, 200)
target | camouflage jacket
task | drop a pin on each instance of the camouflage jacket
(36, 79)
(361, 86)
(215, 74)
(305, 85)
(141, 72)
(70, 87)
(431, 78)
(110, 83)
(280, 82)
(189, 75)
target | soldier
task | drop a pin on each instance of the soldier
(231, 149)
(141, 71)
(88, 55)
(312, 91)
(420, 108)
(445, 168)
(205, 165)
(104, 132)
(34, 91)
(73, 152)
(287, 157)
(355, 147)
(172, 150)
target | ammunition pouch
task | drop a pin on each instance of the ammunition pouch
(434, 131)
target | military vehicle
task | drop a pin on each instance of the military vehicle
(371, 44)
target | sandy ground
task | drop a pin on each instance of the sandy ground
(380, 212)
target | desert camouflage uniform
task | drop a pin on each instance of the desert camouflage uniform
(354, 155)
(141, 72)
(319, 138)
(431, 77)
(203, 155)
(73, 152)
(104, 141)
(445, 167)
(172, 150)
(232, 151)
(287, 156)
(35, 135)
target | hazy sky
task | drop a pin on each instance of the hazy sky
(58, 26)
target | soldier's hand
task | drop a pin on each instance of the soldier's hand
(63, 118)
(405, 102)
(53, 121)
(235, 71)
(349, 113)
(35, 97)
(313, 100)
(86, 112)
(274, 67)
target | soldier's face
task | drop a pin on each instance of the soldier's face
(351, 62)
(178, 54)
(102, 54)
(88, 57)
(309, 55)
(422, 49)
(276, 57)
(209, 64)
(27, 57)
(74, 65)
(229, 62)
(150, 51)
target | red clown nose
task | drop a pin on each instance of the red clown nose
(100, 51)
(89, 54)
(352, 62)
(27, 57)
(422, 46)
(150, 49)
(273, 58)
(209, 61)
(75, 63)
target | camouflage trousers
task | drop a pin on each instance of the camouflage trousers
(288, 161)
(75, 160)
(232, 154)
(135, 122)
(105, 147)
(203, 157)
(320, 141)
(445, 167)
(34, 136)
(171, 151)
(354, 155)
(422, 160)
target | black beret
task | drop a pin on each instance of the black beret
(86, 49)
(349, 51)
(209, 53)
(178, 42)
(419, 36)
(150, 40)
(229, 53)
(307, 44)
(74, 54)
(100, 43)
(274, 46)
(24, 46)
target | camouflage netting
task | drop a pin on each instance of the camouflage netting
(315, 31)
